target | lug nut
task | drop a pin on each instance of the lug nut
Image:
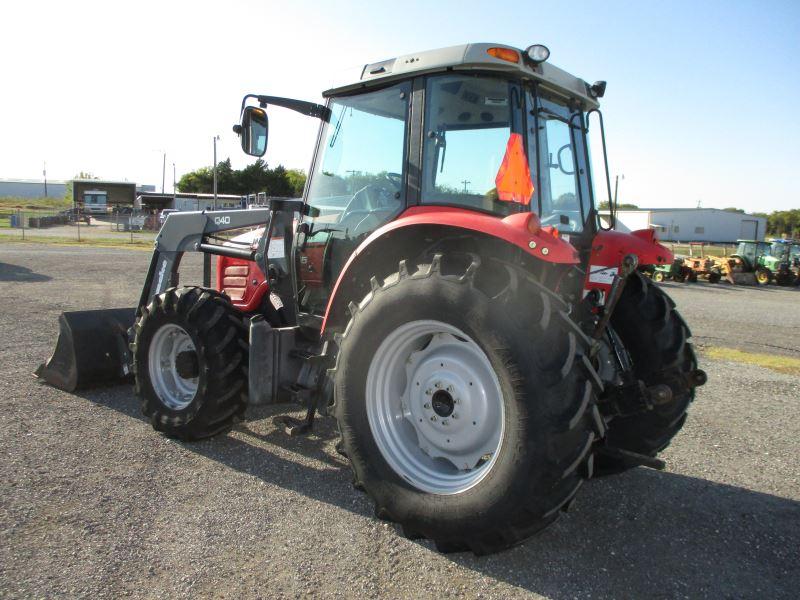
(428, 392)
(433, 418)
(427, 405)
(444, 422)
(454, 415)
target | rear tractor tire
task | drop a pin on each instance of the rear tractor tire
(190, 357)
(466, 403)
(656, 338)
(658, 276)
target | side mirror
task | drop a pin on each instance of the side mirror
(254, 130)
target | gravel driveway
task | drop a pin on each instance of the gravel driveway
(95, 503)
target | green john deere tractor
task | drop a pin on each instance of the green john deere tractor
(752, 259)
(784, 261)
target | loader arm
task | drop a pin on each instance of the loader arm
(92, 345)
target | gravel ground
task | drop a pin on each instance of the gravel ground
(94, 503)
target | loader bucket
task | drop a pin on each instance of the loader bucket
(742, 278)
(92, 348)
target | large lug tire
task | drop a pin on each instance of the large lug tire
(656, 338)
(190, 358)
(510, 360)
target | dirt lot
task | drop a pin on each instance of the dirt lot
(94, 503)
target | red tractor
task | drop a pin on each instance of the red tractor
(444, 290)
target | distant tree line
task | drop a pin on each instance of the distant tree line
(252, 179)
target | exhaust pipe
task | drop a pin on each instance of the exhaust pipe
(92, 349)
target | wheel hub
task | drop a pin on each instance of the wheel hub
(442, 403)
(444, 430)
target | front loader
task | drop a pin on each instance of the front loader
(444, 289)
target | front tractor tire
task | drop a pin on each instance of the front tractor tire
(763, 276)
(189, 359)
(466, 403)
(656, 339)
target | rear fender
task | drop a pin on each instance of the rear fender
(609, 248)
(419, 227)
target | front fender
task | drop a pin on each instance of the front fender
(542, 243)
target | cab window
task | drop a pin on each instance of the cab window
(560, 194)
(469, 121)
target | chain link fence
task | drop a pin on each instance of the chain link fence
(119, 227)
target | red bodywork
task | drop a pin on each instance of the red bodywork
(518, 229)
(610, 247)
(244, 283)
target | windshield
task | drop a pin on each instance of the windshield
(357, 184)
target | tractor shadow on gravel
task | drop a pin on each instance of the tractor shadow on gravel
(20, 274)
(640, 534)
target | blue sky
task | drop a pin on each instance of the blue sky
(699, 106)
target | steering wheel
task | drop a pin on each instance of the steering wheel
(373, 196)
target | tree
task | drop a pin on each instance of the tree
(254, 178)
(734, 210)
(623, 206)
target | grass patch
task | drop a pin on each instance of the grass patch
(780, 364)
(66, 241)
(36, 203)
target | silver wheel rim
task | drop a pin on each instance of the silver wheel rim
(435, 407)
(175, 392)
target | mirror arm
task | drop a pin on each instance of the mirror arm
(309, 109)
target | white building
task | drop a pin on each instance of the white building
(693, 224)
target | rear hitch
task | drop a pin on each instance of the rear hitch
(631, 459)
(634, 398)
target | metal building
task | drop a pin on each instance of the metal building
(694, 224)
(32, 188)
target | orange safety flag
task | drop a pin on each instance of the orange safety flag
(513, 179)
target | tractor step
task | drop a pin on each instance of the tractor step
(631, 459)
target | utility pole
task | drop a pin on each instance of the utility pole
(466, 183)
(44, 173)
(616, 186)
(216, 137)
(173, 179)
(163, 171)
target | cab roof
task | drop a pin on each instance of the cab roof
(468, 57)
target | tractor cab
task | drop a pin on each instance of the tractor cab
(480, 128)
(753, 252)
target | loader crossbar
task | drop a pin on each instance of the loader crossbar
(195, 231)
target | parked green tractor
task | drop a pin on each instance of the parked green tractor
(675, 271)
(784, 261)
(751, 261)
